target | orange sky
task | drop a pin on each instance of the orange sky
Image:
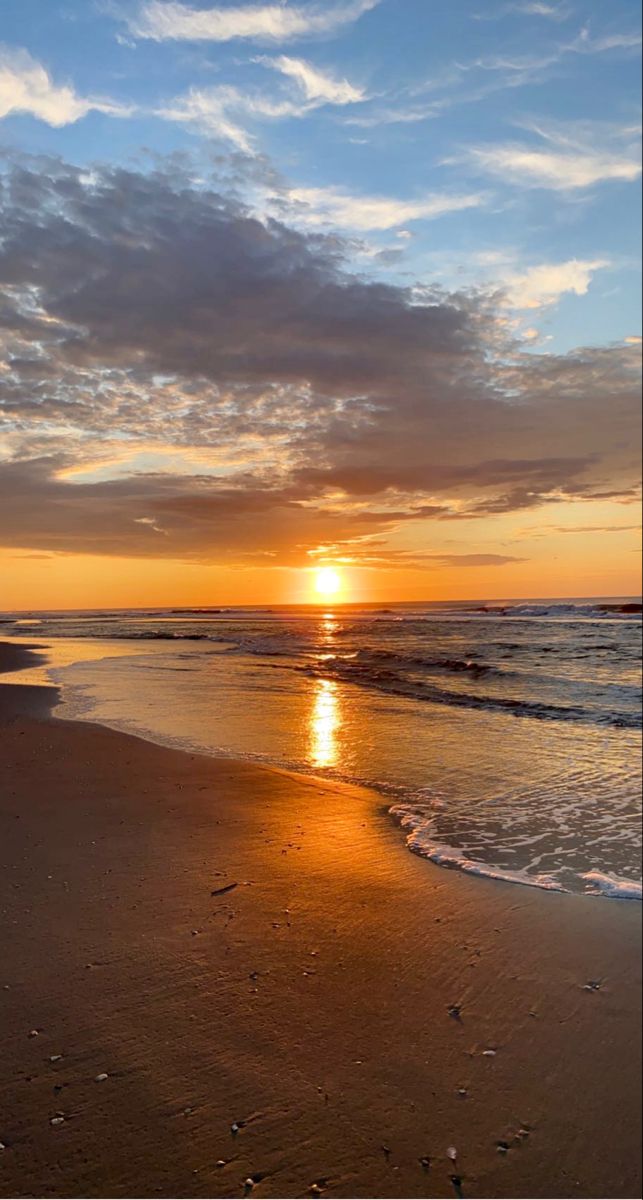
(592, 563)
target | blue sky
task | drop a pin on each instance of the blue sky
(502, 136)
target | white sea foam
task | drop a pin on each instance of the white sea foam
(421, 840)
(599, 884)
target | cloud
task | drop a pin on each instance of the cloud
(210, 111)
(26, 87)
(317, 86)
(586, 44)
(573, 156)
(163, 21)
(590, 528)
(545, 284)
(268, 402)
(546, 169)
(323, 207)
(530, 8)
(220, 110)
(426, 560)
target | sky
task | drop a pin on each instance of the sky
(299, 285)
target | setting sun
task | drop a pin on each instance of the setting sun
(327, 581)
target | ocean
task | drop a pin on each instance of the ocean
(504, 739)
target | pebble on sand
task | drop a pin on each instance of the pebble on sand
(102, 1077)
(452, 1153)
(59, 1120)
(33, 1033)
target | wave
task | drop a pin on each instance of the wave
(420, 839)
(614, 886)
(410, 661)
(393, 682)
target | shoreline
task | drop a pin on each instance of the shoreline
(309, 1003)
(413, 825)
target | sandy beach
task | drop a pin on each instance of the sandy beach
(221, 979)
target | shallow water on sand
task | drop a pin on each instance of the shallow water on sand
(507, 742)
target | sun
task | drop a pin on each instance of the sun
(327, 581)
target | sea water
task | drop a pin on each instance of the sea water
(505, 739)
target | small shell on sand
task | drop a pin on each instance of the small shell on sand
(101, 1078)
(452, 1153)
(33, 1033)
(57, 1121)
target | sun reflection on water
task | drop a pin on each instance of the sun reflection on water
(324, 724)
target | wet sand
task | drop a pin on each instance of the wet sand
(308, 1003)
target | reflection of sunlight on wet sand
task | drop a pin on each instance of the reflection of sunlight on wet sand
(53, 653)
(324, 724)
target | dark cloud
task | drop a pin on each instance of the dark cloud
(168, 515)
(148, 310)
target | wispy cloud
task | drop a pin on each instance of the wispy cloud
(207, 110)
(222, 111)
(317, 86)
(534, 8)
(319, 207)
(163, 21)
(530, 8)
(565, 157)
(586, 44)
(26, 87)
